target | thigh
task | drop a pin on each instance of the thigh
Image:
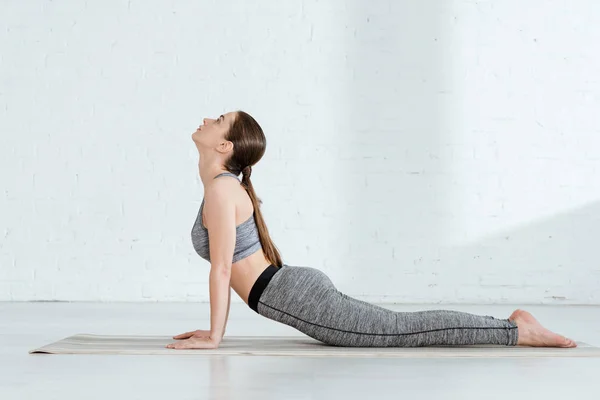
(352, 322)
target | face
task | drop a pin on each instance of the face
(212, 131)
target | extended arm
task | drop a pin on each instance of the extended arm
(220, 223)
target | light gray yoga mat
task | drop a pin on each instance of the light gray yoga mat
(293, 346)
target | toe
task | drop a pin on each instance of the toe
(566, 342)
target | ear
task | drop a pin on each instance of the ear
(226, 146)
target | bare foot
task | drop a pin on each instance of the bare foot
(532, 333)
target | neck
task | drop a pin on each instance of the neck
(208, 171)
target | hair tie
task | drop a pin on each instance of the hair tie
(247, 171)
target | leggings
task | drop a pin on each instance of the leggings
(306, 299)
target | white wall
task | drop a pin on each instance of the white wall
(418, 151)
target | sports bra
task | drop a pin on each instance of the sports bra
(247, 241)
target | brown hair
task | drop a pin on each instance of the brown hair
(249, 145)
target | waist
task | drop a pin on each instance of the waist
(259, 286)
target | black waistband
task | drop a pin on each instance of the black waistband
(260, 285)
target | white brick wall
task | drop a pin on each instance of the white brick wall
(418, 151)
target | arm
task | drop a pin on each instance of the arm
(220, 222)
(219, 304)
(227, 315)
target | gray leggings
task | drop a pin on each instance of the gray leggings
(306, 299)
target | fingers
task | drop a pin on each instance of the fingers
(197, 333)
(185, 335)
(193, 343)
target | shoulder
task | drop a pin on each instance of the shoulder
(221, 190)
(219, 205)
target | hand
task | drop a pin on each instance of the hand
(197, 333)
(194, 343)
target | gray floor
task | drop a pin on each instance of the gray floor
(24, 326)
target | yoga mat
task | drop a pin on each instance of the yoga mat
(293, 346)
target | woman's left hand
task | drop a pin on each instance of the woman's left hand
(194, 343)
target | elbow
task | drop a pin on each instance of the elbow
(221, 270)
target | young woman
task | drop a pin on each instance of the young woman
(231, 234)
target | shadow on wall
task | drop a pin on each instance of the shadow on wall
(550, 261)
(554, 260)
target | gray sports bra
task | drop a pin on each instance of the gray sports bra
(247, 241)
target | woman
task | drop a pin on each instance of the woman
(231, 233)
